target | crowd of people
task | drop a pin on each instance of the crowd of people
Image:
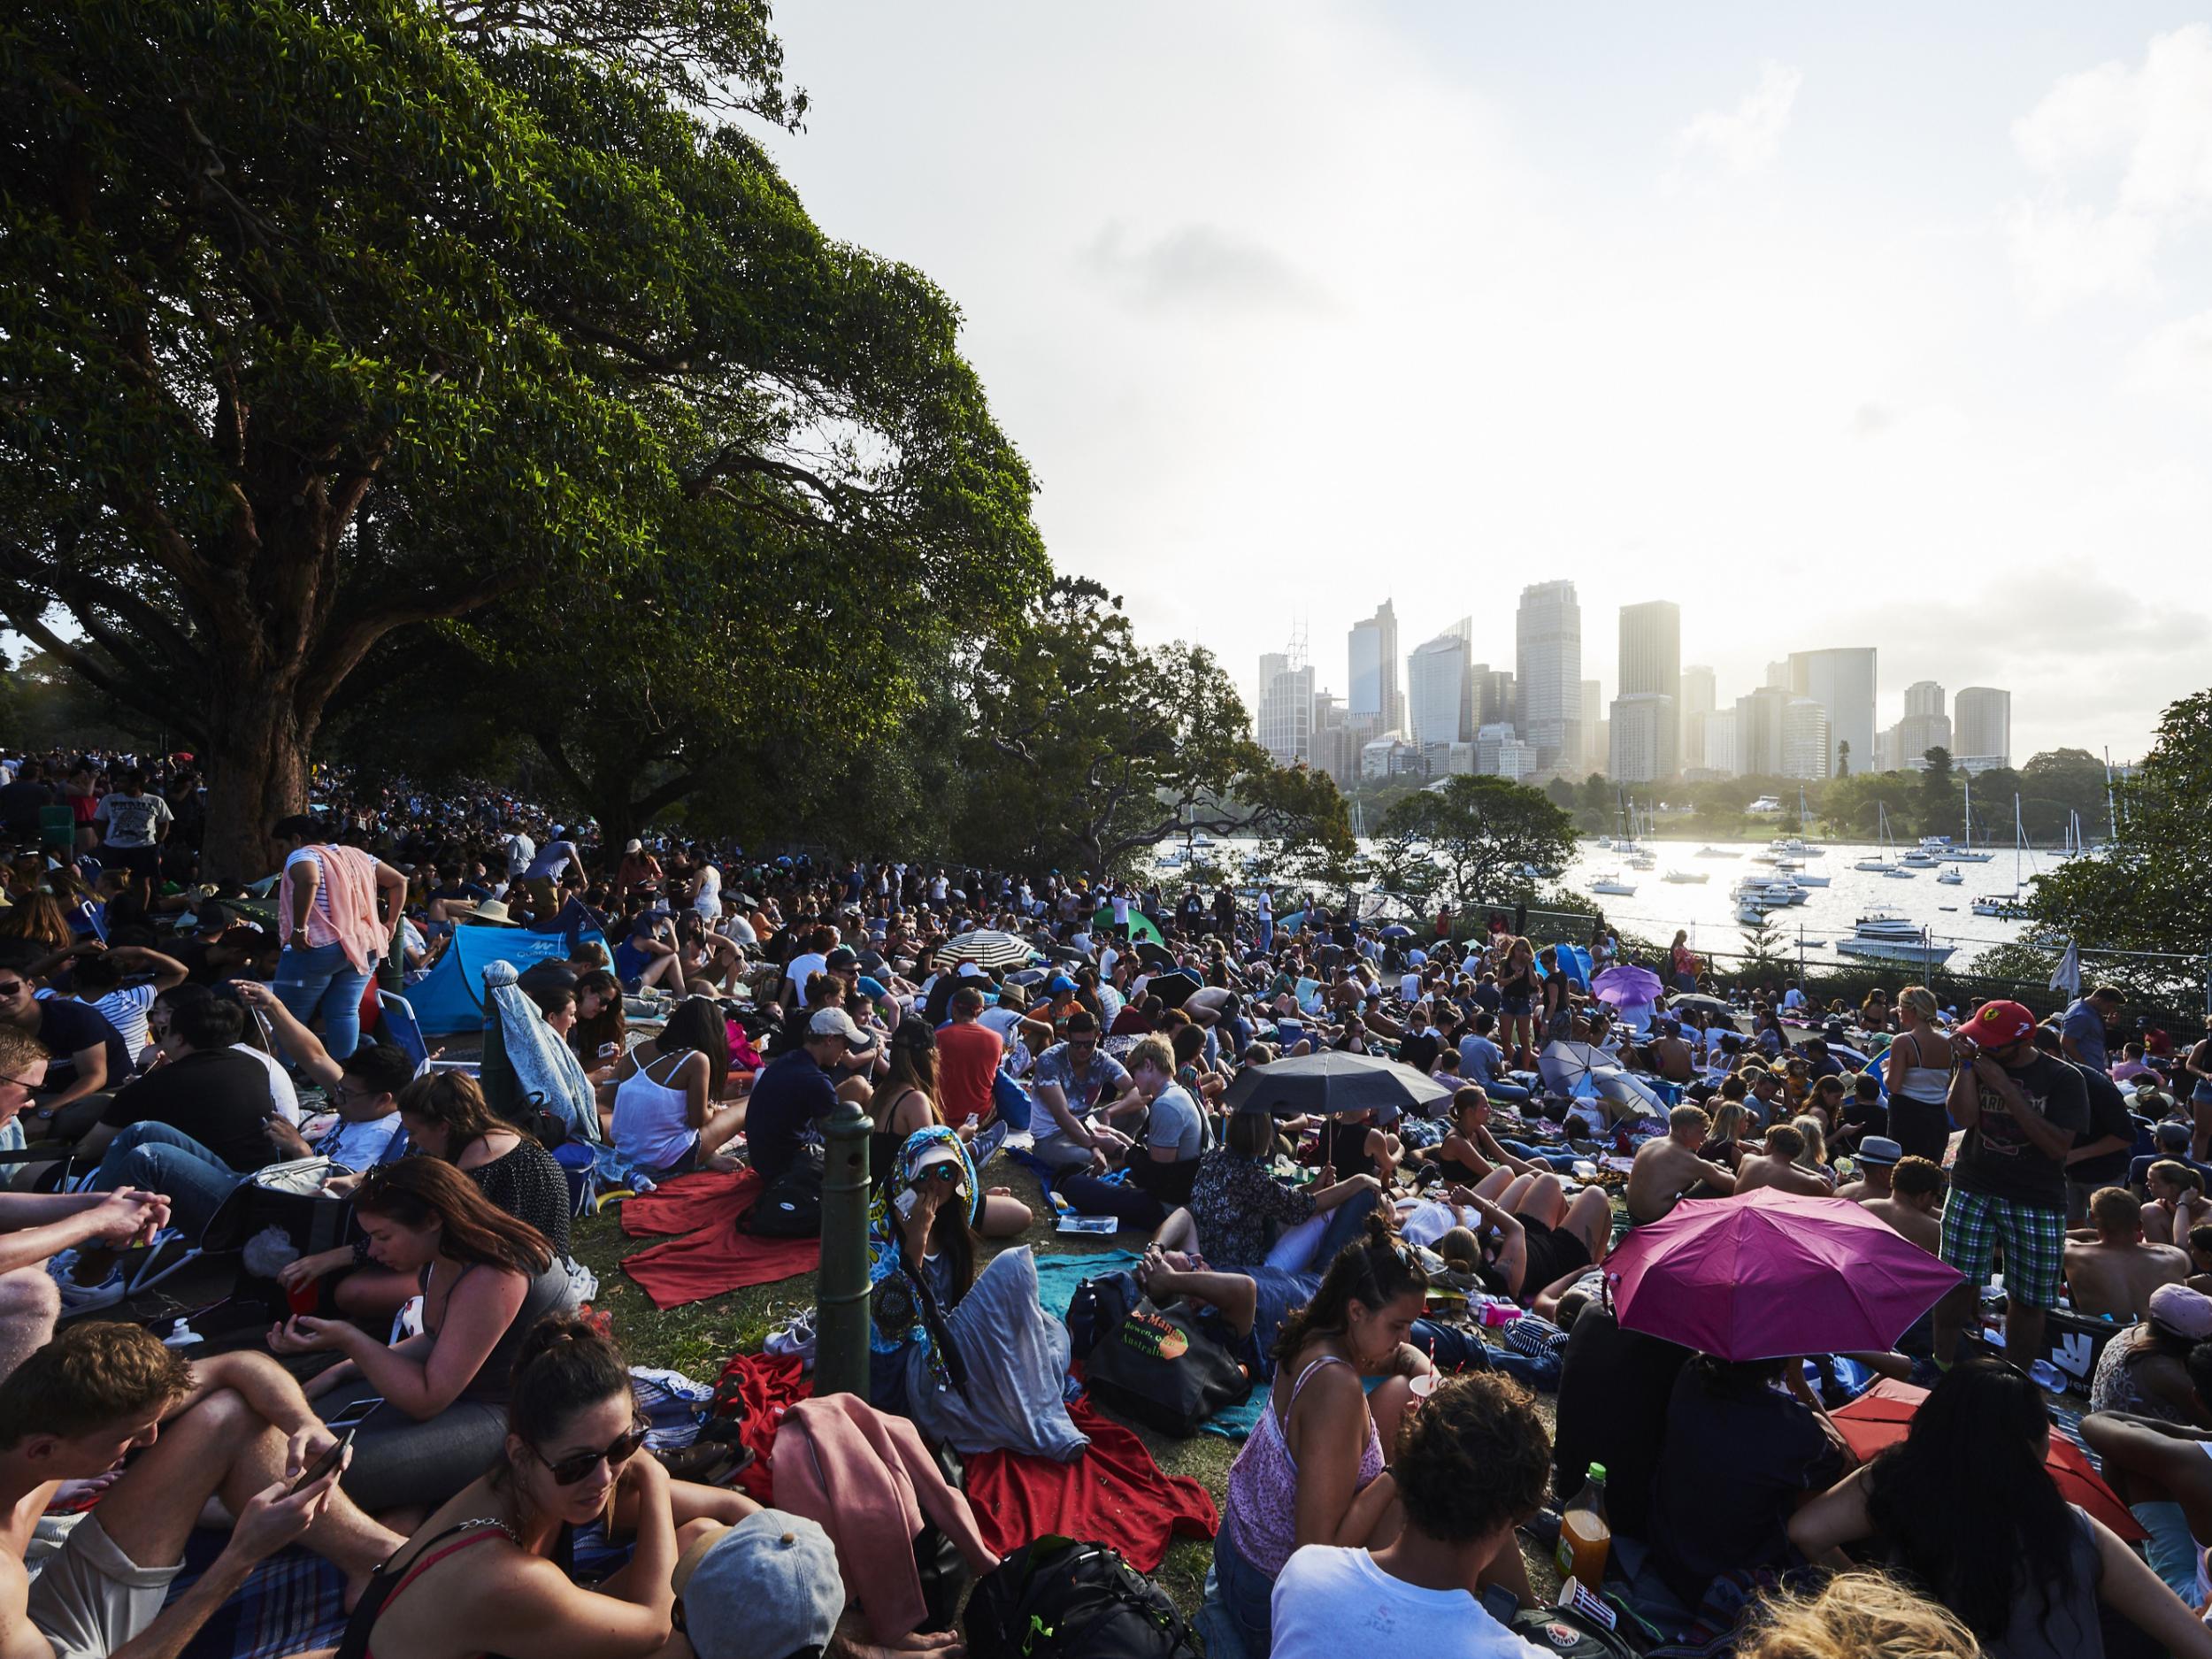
(432, 1405)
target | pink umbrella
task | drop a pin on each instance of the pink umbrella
(1770, 1274)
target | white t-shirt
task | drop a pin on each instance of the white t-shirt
(1409, 987)
(1328, 1601)
(804, 968)
(360, 1146)
(1121, 909)
(283, 1098)
(131, 820)
(126, 1009)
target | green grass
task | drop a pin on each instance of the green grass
(698, 1339)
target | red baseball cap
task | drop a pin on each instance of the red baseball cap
(1998, 1026)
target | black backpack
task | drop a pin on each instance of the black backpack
(1160, 1366)
(790, 1206)
(1058, 1599)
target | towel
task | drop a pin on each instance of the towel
(543, 1065)
(348, 884)
(717, 1257)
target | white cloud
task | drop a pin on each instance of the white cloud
(1744, 142)
(2176, 360)
(1200, 268)
(2123, 163)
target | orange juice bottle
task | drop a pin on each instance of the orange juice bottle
(1585, 1536)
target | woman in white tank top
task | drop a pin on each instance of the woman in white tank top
(668, 1115)
(1917, 1071)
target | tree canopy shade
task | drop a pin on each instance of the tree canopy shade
(2151, 888)
(1481, 832)
(1087, 749)
(322, 322)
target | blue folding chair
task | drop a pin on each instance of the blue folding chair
(405, 1029)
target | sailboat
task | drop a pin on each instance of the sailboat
(1993, 904)
(1886, 864)
(1967, 855)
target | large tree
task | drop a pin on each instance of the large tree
(2151, 889)
(1087, 749)
(319, 322)
(1485, 835)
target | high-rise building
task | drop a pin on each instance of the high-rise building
(1842, 682)
(1643, 733)
(1806, 741)
(1759, 720)
(1495, 695)
(1372, 700)
(1440, 688)
(1285, 722)
(1547, 672)
(1720, 758)
(1923, 696)
(1981, 727)
(1499, 754)
(1651, 665)
(1272, 664)
(1778, 676)
(1700, 698)
(1594, 743)
(1335, 745)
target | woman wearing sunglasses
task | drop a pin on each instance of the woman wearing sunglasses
(486, 1278)
(489, 1571)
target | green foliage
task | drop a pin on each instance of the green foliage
(2151, 889)
(1480, 833)
(1087, 749)
(442, 316)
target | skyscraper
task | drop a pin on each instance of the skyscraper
(1651, 666)
(1595, 751)
(1981, 727)
(1700, 699)
(1759, 722)
(1373, 703)
(1440, 688)
(1495, 697)
(1720, 742)
(1285, 718)
(1642, 734)
(1808, 742)
(1548, 668)
(1842, 682)
(1923, 727)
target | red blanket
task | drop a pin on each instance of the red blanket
(1114, 1494)
(715, 1257)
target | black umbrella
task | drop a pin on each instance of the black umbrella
(1172, 988)
(1335, 1081)
(1154, 955)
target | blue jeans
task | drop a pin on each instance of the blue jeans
(321, 981)
(1497, 1088)
(1267, 936)
(167, 1160)
(1347, 1221)
(1550, 1157)
(1241, 1594)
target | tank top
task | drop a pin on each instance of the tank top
(1263, 1482)
(1929, 1085)
(1348, 1149)
(652, 1126)
(550, 1291)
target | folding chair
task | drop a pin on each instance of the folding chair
(405, 1029)
(278, 1191)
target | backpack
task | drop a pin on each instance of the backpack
(790, 1206)
(1058, 1599)
(1569, 1633)
(1161, 1367)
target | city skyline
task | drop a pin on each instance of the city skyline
(1794, 723)
(1893, 322)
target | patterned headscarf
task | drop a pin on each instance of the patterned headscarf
(901, 1307)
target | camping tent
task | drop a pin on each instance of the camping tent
(1140, 925)
(451, 997)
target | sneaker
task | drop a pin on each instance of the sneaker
(986, 1146)
(63, 1265)
(77, 1298)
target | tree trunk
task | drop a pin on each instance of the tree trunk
(256, 764)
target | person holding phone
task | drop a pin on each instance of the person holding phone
(489, 1571)
(485, 1279)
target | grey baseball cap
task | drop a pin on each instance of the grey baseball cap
(766, 1588)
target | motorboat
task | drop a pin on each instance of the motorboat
(1683, 878)
(1885, 937)
(1714, 852)
(1920, 858)
(2004, 906)
(1610, 882)
(1806, 880)
(1951, 877)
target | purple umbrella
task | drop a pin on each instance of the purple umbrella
(1627, 987)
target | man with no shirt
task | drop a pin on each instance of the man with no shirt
(1777, 1167)
(1913, 1207)
(1668, 1170)
(2113, 1272)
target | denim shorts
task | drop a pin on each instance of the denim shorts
(1519, 1007)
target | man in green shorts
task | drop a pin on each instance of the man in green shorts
(2020, 1110)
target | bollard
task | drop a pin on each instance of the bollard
(840, 1293)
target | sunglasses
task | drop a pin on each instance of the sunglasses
(12, 987)
(948, 1174)
(569, 1471)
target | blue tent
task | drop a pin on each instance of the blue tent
(451, 998)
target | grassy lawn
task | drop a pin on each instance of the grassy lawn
(698, 1339)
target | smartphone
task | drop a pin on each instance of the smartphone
(324, 1465)
(354, 1415)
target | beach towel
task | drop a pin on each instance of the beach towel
(290, 1603)
(1057, 1276)
(1114, 1494)
(543, 1066)
(718, 1255)
(767, 1386)
(690, 1203)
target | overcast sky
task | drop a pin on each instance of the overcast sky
(1842, 325)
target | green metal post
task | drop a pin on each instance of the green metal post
(841, 1294)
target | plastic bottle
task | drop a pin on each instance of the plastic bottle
(1586, 1537)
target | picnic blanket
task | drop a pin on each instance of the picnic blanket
(1114, 1494)
(714, 1255)
(291, 1602)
